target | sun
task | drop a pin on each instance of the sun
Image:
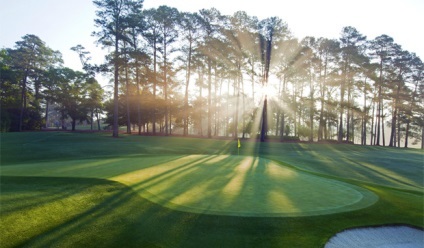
(268, 90)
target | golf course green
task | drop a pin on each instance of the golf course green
(216, 184)
(88, 189)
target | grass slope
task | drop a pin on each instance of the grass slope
(40, 211)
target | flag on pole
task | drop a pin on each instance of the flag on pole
(238, 144)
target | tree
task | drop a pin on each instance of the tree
(9, 93)
(167, 19)
(271, 30)
(414, 113)
(72, 92)
(327, 54)
(399, 74)
(136, 26)
(191, 29)
(94, 89)
(287, 66)
(351, 42)
(151, 33)
(382, 50)
(210, 22)
(84, 57)
(111, 19)
(30, 59)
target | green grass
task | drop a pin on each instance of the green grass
(77, 189)
(214, 184)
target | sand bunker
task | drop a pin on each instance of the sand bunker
(378, 237)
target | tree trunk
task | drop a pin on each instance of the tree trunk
(392, 141)
(47, 113)
(243, 107)
(201, 104)
(422, 137)
(340, 135)
(311, 111)
(165, 85)
(91, 119)
(209, 98)
(73, 124)
(348, 115)
(283, 114)
(398, 131)
(98, 119)
(382, 130)
(116, 92)
(127, 86)
(23, 100)
(137, 72)
(364, 116)
(154, 85)
(264, 124)
(379, 110)
(186, 108)
(215, 101)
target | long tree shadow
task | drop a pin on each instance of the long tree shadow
(121, 218)
(116, 216)
(103, 216)
(370, 164)
(43, 191)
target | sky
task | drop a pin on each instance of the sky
(63, 24)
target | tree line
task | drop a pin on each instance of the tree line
(210, 74)
(34, 82)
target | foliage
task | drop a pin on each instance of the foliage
(346, 88)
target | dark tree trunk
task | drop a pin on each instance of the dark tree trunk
(209, 98)
(115, 93)
(264, 124)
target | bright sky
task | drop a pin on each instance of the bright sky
(66, 23)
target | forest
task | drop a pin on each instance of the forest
(214, 75)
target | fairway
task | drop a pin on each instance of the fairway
(77, 189)
(216, 184)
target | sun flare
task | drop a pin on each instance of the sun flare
(268, 90)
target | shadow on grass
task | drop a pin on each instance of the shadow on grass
(100, 213)
(242, 186)
(376, 165)
(86, 212)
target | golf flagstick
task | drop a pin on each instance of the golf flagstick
(238, 147)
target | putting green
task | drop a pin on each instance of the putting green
(243, 186)
(215, 184)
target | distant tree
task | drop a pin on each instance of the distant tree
(30, 59)
(327, 54)
(351, 43)
(136, 27)
(85, 58)
(381, 50)
(191, 33)
(10, 101)
(271, 30)
(286, 68)
(111, 19)
(167, 18)
(414, 110)
(71, 93)
(400, 69)
(211, 21)
(151, 33)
